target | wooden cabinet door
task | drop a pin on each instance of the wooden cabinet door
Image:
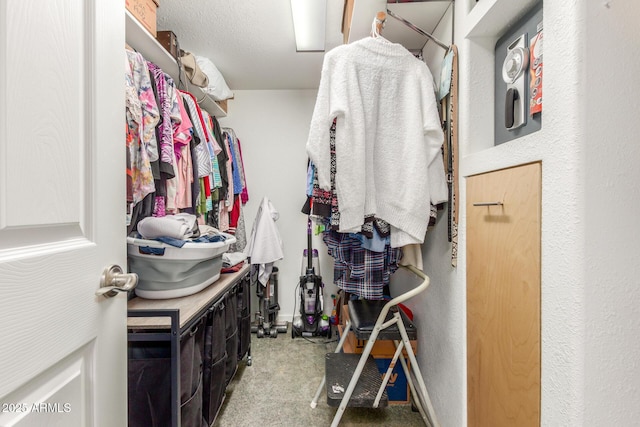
(503, 297)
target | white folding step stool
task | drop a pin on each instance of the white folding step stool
(374, 320)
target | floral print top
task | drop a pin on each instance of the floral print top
(142, 117)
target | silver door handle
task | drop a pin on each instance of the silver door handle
(114, 280)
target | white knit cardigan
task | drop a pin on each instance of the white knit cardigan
(388, 137)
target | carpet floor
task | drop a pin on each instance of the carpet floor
(276, 390)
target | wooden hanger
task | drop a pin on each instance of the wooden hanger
(380, 18)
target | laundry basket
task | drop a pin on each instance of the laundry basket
(166, 271)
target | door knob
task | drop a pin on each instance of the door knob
(114, 280)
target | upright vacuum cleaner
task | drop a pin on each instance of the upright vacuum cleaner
(311, 321)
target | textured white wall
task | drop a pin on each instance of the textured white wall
(590, 206)
(559, 145)
(611, 94)
(439, 312)
(273, 126)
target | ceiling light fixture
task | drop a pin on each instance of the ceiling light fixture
(309, 18)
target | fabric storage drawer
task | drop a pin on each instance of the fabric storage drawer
(191, 410)
(231, 332)
(149, 384)
(215, 362)
(244, 318)
(244, 335)
(166, 271)
(149, 397)
(191, 351)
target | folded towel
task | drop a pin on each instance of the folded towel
(233, 268)
(179, 226)
(233, 258)
(206, 230)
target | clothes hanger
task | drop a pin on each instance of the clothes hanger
(378, 24)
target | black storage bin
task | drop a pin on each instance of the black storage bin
(244, 317)
(191, 410)
(214, 363)
(149, 381)
(244, 296)
(204, 351)
(244, 338)
(191, 351)
(231, 329)
(149, 385)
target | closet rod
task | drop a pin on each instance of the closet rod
(419, 30)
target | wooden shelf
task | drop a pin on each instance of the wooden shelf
(141, 40)
(490, 18)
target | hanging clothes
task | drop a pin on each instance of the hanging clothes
(184, 164)
(166, 93)
(236, 219)
(237, 166)
(264, 246)
(216, 177)
(150, 111)
(241, 233)
(226, 201)
(129, 140)
(222, 158)
(133, 111)
(244, 196)
(178, 158)
(358, 270)
(375, 160)
(169, 113)
(325, 202)
(388, 137)
(214, 149)
(202, 153)
(142, 116)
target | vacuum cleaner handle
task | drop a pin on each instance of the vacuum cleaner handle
(309, 251)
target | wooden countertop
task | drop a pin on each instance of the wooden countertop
(189, 306)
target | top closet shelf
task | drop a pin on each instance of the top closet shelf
(490, 18)
(141, 40)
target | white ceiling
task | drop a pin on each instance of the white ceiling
(252, 41)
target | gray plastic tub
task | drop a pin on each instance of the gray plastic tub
(166, 271)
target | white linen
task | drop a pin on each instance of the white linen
(179, 226)
(265, 244)
(229, 259)
(217, 87)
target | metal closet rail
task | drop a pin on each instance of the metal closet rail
(417, 29)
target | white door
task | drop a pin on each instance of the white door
(62, 201)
